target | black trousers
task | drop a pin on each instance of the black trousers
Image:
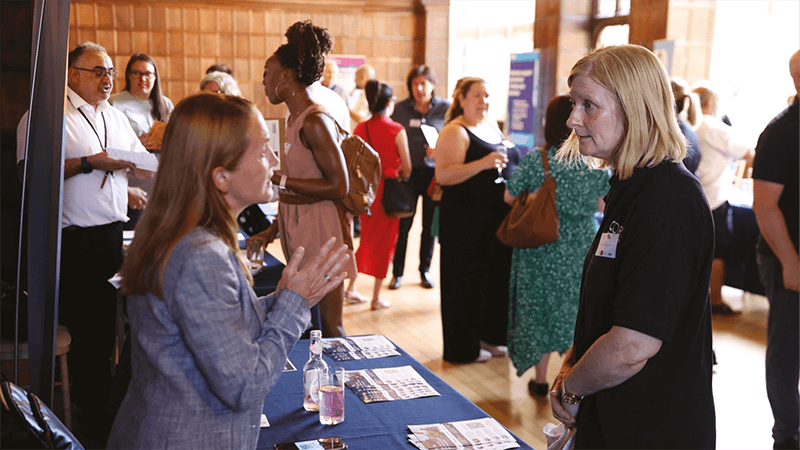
(421, 178)
(87, 307)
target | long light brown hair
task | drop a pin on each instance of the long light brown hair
(205, 131)
(461, 90)
(644, 94)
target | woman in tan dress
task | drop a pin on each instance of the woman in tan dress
(313, 176)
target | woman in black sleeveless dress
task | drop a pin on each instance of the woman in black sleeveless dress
(475, 265)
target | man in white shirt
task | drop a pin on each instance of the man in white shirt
(359, 107)
(332, 102)
(95, 201)
(719, 147)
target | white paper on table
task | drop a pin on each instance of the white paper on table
(143, 160)
(264, 421)
(430, 133)
(486, 433)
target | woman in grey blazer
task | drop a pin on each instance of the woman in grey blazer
(205, 349)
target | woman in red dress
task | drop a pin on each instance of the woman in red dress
(379, 232)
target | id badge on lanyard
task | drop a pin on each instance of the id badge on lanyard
(607, 247)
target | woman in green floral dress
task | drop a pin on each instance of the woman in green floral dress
(545, 281)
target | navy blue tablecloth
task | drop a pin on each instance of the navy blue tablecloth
(266, 279)
(370, 426)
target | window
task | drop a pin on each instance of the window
(609, 22)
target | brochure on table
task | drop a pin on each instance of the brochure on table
(387, 384)
(484, 434)
(358, 347)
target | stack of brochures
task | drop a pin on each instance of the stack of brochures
(359, 347)
(387, 384)
(484, 434)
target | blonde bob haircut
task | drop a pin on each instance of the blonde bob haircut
(642, 88)
(205, 131)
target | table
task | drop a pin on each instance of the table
(366, 426)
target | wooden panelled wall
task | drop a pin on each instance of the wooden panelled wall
(186, 38)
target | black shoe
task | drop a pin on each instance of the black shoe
(427, 282)
(395, 283)
(539, 389)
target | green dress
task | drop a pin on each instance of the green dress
(545, 281)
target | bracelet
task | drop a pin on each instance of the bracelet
(283, 181)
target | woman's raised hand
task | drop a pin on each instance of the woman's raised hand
(321, 275)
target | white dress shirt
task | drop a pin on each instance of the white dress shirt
(332, 102)
(85, 204)
(360, 105)
(719, 147)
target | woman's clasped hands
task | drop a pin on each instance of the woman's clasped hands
(321, 275)
(565, 413)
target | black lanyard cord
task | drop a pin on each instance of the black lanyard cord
(105, 128)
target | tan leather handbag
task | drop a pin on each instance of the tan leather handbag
(533, 219)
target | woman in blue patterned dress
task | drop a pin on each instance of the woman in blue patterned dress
(545, 281)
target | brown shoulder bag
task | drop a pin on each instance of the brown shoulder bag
(533, 219)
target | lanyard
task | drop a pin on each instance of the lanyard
(105, 127)
(103, 144)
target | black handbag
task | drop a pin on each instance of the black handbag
(398, 194)
(29, 423)
(398, 197)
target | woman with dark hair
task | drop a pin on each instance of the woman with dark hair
(144, 105)
(313, 180)
(205, 349)
(142, 101)
(474, 263)
(687, 108)
(422, 107)
(379, 232)
(545, 281)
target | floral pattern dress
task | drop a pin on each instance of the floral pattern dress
(544, 287)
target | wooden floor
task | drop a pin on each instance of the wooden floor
(744, 420)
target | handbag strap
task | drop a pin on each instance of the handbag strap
(545, 161)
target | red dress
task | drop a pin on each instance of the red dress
(379, 232)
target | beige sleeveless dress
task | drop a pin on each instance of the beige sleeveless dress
(309, 226)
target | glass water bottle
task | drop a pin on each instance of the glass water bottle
(310, 372)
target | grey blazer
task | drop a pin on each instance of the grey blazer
(205, 355)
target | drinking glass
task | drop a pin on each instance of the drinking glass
(331, 395)
(500, 179)
(255, 252)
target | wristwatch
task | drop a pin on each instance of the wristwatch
(85, 166)
(571, 399)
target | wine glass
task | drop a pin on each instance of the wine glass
(500, 149)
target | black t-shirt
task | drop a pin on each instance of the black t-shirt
(411, 119)
(655, 283)
(777, 161)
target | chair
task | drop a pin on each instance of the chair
(63, 341)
